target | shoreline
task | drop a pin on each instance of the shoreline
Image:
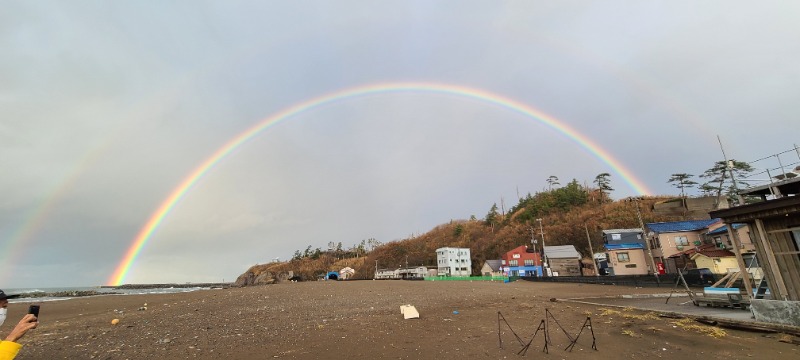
(35, 295)
(224, 285)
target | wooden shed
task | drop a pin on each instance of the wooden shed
(775, 230)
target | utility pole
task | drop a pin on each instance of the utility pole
(544, 256)
(591, 251)
(533, 239)
(646, 240)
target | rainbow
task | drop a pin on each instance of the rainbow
(146, 232)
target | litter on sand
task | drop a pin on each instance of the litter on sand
(409, 312)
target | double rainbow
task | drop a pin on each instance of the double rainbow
(146, 232)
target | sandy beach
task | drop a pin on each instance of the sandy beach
(362, 320)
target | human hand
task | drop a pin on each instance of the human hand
(28, 322)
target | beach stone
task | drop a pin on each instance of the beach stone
(115, 322)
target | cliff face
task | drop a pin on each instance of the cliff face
(301, 269)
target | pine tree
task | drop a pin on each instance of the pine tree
(552, 181)
(603, 183)
(720, 179)
(682, 181)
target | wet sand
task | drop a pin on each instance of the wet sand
(361, 320)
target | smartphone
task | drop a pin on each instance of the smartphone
(34, 309)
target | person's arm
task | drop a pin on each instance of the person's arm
(28, 322)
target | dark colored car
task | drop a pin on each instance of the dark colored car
(699, 277)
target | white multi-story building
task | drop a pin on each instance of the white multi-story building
(453, 261)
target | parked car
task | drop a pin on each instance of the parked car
(699, 277)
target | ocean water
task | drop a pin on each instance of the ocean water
(98, 289)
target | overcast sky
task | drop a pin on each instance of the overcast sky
(105, 107)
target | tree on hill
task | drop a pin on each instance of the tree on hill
(570, 196)
(373, 243)
(682, 181)
(544, 203)
(726, 177)
(552, 181)
(493, 216)
(603, 183)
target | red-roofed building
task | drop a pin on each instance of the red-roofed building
(522, 262)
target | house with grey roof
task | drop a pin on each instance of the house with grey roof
(492, 268)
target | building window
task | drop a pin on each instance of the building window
(529, 262)
(623, 257)
(681, 241)
(513, 262)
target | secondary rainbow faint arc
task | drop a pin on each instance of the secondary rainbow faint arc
(179, 192)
